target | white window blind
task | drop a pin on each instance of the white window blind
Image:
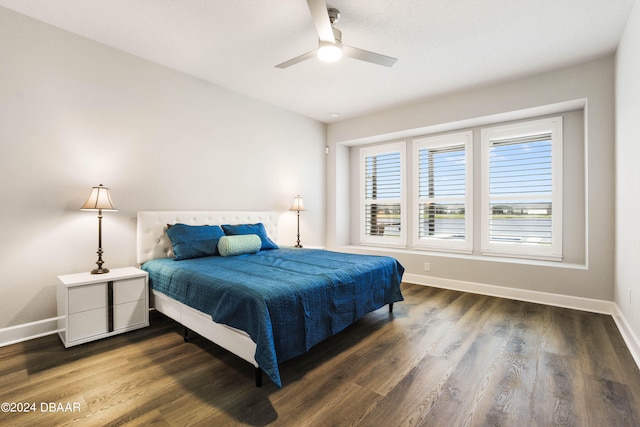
(443, 215)
(522, 193)
(516, 213)
(382, 210)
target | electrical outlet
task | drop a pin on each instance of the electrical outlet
(427, 266)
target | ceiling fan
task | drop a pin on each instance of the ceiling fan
(330, 47)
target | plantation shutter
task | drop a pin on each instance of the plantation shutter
(522, 188)
(383, 195)
(442, 192)
(443, 187)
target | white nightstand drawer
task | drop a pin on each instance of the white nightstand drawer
(87, 324)
(129, 290)
(89, 297)
(129, 314)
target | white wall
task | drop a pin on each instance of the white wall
(628, 173)
(75, 113)
(589, 85)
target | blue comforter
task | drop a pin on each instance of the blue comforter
(287, 300)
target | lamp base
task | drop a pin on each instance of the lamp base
(99, 270)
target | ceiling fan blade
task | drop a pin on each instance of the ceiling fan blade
(365, 55)
(297, 59)
(318, 9)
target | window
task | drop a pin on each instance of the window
(382, 195)
(522, 189)
(514, 211)
(442, 208)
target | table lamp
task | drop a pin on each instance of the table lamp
(297, 206)
(99, 200)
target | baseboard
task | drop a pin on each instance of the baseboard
(565, 301)
(28, 331)
(629, 337)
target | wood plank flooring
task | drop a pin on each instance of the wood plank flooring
(443, 358)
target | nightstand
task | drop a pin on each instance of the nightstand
(94, 306)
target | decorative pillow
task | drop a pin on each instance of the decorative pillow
(240, 244)
(235, 230)
(194, 241)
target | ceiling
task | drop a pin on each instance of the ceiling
(441, 45)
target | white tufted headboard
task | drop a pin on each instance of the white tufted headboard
(152, 238)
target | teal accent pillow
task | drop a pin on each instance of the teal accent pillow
(194, 241)
(235, 230)
(238, 245)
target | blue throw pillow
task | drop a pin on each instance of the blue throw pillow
(238, 245)
(235, 230)
(194, 241)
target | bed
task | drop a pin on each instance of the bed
(266, 305)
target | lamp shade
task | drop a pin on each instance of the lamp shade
(297, 205)
(99, 199)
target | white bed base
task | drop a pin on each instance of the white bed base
(152, 242)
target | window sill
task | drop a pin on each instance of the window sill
(462, 256)
(532, 257)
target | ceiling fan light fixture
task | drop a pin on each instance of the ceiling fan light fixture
(329, 52)
(330, 47)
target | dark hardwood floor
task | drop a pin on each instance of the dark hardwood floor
(443, 358)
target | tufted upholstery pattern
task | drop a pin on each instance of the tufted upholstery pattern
(152, 240)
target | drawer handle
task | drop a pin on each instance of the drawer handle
(110, 305)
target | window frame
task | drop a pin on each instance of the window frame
(501, 133)
(464, 139)
(383, 241)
